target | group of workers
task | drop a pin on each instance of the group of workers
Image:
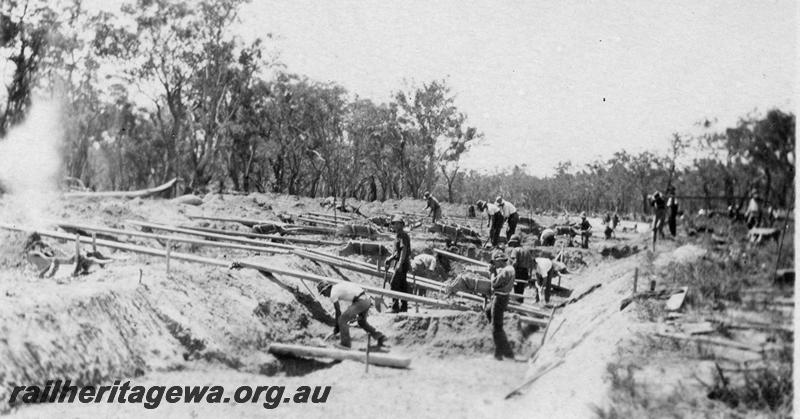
(666, 210)
(498, 213)
(509, 273)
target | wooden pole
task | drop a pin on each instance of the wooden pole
(635, 279)
(263, 247)
(366, 360)
(169, 250)
(246, 221)
(94, 242)
(339, 354)
(461, 258)
(264, 236)
(210, 235)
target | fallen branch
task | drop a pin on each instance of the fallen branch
(123, 194)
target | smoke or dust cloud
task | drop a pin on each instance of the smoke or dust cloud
(30, 164)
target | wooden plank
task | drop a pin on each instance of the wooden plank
(379, 359)
(123, 194)
(675, 302)
(712, 341)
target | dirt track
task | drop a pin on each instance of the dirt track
(204, 325)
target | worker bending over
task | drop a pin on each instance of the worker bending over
(359, 304)
(545, 272)
(510, 214)
(495, 220)
(433, 205)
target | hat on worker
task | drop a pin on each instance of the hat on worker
(398, 219)
(427, 194)
(514, 240)
(583, 214)
(499, 200)
(499, 256)
(322, 286)
(479, 203)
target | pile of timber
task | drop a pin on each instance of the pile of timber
(271, 237)
(113, 233)
(288, 228)
(228, 264)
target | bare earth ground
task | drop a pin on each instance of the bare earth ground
(210, 326)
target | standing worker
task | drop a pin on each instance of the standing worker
(360, 303)
(753, 213)
(585, 229)
(672, 207)
(433, 204)
(510, 214)
(521, 260)
(402, 254)
(502, 276)
(495, 220)
(660, 205)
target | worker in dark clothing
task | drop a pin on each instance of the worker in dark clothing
(433, 205)
(358, 307)
(402, 254)
(510, 214)
(660, 205)
(502, 276)
(585, 229)
(495, 220)
(672, 208)
(521, 259)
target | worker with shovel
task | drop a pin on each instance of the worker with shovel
(402, 254)
(352, 294)
(502, 276)
(495, 219)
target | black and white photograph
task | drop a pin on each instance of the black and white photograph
(397, 209)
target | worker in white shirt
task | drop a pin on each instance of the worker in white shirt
(545, 271)
(359, 304)
(495, 222)
(510, 214)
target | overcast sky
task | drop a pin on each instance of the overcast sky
(549, 81)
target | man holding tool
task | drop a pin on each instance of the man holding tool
(359, 304)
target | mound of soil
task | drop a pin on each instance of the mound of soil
(618, 251)
(457, 333)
